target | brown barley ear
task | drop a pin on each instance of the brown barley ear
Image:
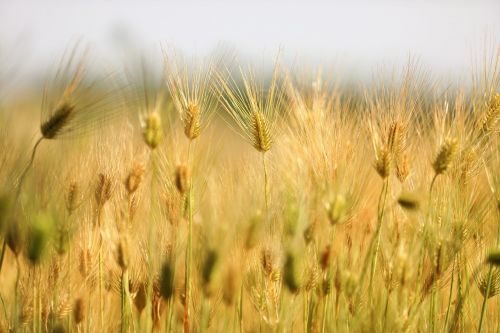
(104, 189)
(122, 253)
(134, 178)
(79, 310)
(402, 167)
(383, 162)
(74, 104)
(182, 178)
(73, 197)
(85, 263)
(56, 123)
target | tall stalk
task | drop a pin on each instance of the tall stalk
(266, 188)
(380, 217)
(188, 261)
(125, 302)
(151, 243)
(432, 303)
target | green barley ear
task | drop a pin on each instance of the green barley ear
(152, 131)
(445, 155)
(350, 283)
(209, 266)
(62, 239)
(167, 279)
(494, 258)
(409, 201)
(39, 236)
(482, 283)
(290, 275)
(260, 132)
(337, 210)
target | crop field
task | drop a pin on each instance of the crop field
(209, 196)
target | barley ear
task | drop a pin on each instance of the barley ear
(445, 155)
(261, 138)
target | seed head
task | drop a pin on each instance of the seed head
(182, 178)
(310, 231)
(73, 199)
(260, 133)
(152, 130)
(267, 262)
(103, 189)
(383, 162)
(192, 121)
(410, 201)
(122, 253)
(482, 283)
(209, 265)
(167, 279)
(38, 237)
(230, 286)
(14, 237)
(313, 277)
(84, 263)
(79, 310)
(396, 138)
(134, 178)
(337, 210)
(445, 156)
(58, 121)
(492, 115)
(140, 297)
(325, 258)
(290, 273)
(402, 167)
(62, 241)
(494, 258)
(350, 283)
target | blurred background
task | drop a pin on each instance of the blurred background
(355, 37)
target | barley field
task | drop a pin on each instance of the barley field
(210, 196)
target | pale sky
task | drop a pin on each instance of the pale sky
(357, 35)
